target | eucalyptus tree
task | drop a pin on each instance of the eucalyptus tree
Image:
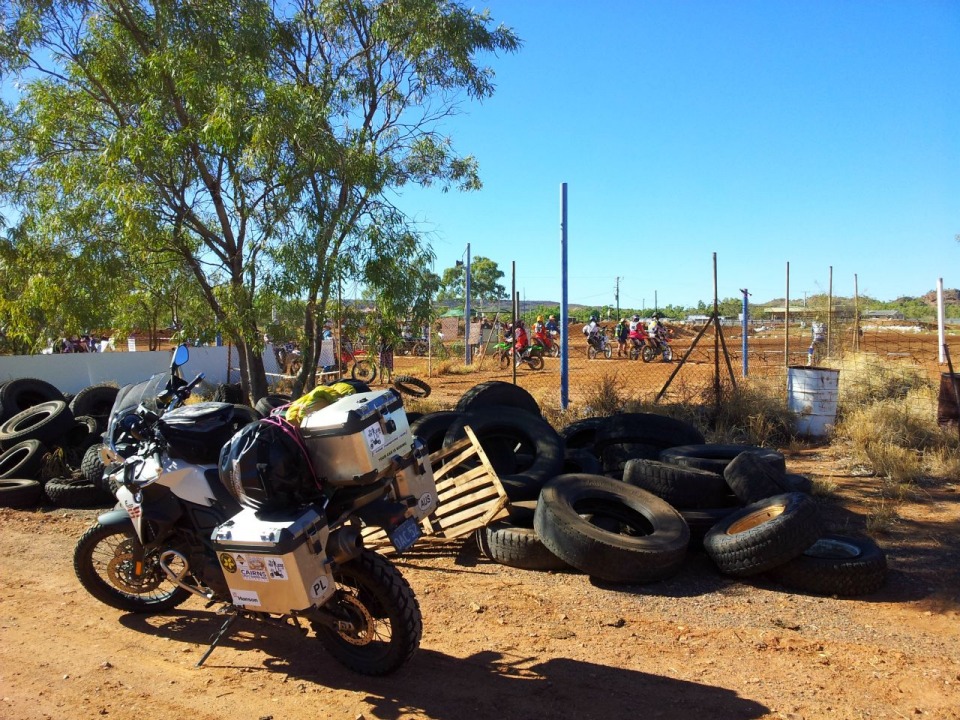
(241, 136)
(364, 87)
(485, 277)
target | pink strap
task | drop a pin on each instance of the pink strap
(293, 433)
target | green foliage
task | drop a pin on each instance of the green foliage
(485, 286)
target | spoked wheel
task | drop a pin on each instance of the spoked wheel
(591, 352)
(555, 350)
(103, 561)
(667, 353)
(364, 370)
(381, 624)
(535, 362)
(504, 359)
(634, 352)
(647, 353)
(608, 352)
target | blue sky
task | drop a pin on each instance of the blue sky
(816, 133)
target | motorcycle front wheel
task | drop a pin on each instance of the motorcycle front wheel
(647, 353)
(364, 370)
(504, 359)
(385, 624)
(535, 362)
(104, 564)
(555, 350)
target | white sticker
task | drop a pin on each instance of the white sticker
(245, 598)
(276, 568)
(426, 501)
(252, 568)
(318, 590)
(374, 435)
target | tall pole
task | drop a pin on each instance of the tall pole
(513, 313)
(716, 338)
(616, 295)
(856, 314)
(786, 323)
(564, 324)
(466, 314)
(941, 336)
(744, 325)
(829, 311)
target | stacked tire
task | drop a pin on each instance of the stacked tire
(44, 440)
(623, 497)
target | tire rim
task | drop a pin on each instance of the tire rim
(756, 518)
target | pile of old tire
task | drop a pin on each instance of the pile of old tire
(42, 442)
(751, 517)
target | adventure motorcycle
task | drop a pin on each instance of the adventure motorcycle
(268, 528)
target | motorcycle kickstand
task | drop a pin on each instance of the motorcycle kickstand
(219, 636)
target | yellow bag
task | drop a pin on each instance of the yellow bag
(316, 399)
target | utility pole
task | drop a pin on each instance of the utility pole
(616, 295)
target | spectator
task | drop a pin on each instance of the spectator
(621, 331)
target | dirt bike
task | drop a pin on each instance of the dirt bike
(637, 340)
(269, 527)
(599, 345)
(656, 346)
(549, 343)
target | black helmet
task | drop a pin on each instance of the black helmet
(595, 317)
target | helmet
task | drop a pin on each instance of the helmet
(539, 318)
(623, 319)
(595, 317)
(635, 317)
(553, 317)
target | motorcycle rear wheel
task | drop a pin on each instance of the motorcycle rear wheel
(647, 353)
(103, 562)
(387, 624)
(592, 352)
(667, 353)
(535, 362)
(608, 352)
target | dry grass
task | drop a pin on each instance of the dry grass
(754, 412)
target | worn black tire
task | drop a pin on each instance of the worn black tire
(836, 565)
(700, 520)
(24, 393)
(267, 404)
(660, 431)
(96, 400)
(100, 546)
(20, 493)
(614, 458)
(374, 582)
(431, 428)
(80, 493)
(580, 460)
(92, 467)
(84, 426)
(229, 393)
(716, 456)
(650, 545)
(23, 460)
(412, 386)
(535, 450)
(583, 433)
(47, 422)
(794, 482)
(498, 393)
(517, 546)
(751, 478)
(682, 487)
(763, 535)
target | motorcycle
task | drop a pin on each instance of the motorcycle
(599, 345)
(267, 528)
(549, 342)
(656, 345)
(637, 339)
(531, 356)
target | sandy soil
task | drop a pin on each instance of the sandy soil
(512, 644)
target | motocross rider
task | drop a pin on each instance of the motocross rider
(592, 330)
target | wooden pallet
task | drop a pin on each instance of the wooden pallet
(468, 500)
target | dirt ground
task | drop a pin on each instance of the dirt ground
(511, 644)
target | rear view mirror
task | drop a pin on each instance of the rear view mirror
(180, 357)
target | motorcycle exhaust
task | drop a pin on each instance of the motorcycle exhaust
(344, 544)
(169, 556)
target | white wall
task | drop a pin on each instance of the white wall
(72, 372)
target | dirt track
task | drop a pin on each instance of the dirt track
(510, 644)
